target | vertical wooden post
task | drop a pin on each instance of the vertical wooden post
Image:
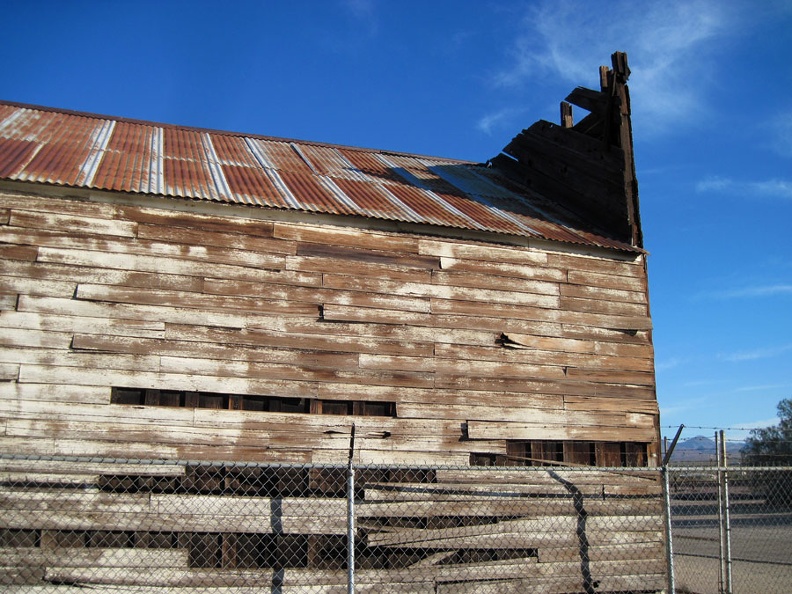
(566, 115)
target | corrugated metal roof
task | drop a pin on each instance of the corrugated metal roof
(90, 151)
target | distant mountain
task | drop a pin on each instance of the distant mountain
(701, 449)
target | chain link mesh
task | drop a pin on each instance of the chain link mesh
(759, 529)
(156, 526)
(135, 526)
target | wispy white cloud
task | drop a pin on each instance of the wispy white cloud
(771, 188)
(365, 13)
(670, 46)
(668, 364)
(760, 424)
(751, 292)
(763, 388)
(756, 354)
(781, 130)
(682, 407)
(499, 119)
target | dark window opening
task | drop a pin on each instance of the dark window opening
(220, 401)
(558, 452)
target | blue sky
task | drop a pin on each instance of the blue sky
(711, 93)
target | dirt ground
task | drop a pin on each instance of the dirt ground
(761, 559)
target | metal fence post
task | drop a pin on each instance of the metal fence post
(726, 515)
(667, 502)
(721, 519)
(351, 516)
(669, 540)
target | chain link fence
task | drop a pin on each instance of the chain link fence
(732, 529)
(135, 526)
(163, 526)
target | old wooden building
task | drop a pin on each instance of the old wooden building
(178, 293)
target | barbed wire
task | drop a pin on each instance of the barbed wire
(712, 428)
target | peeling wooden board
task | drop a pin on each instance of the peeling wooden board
(508, 310)
(194, 221)
(61, 394)
(372, 256)
(217, 522)
(549, 475)
(9, 372)
(321, 341)
(633, 267)
(124, 311)
(463, 251)
(192, 232)
(484, 281)
(497, 325)
(25, 253)
(96, 327)
(608, 335)
(41, 339)
(103, 276)
(556, 531)
(598, 293)
(182, 299)
(594, 432)
(80, 468)
(166, 434)
(505, 269)
(254, 271)
(610, 403)
(363, 269)
(433, 502)
(365, 239)
(440, 292)
(211, 350)
(614, 308)
(32, 203)
(69, 358)
(31, 286)
(496, 369)
(506, 355)
(107, 449)
(492, 409)
(8, 301)
(579, 387)
(143, 559)
(77, 223)
(38, 374)
(58, 240)
(340, 313)
(607, 281)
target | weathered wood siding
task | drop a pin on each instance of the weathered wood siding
(475, 343)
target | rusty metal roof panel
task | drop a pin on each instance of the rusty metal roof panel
(249, 185)
(14, 154)
(44, 145)
(375, 201)
(232, 150)
(132, 160)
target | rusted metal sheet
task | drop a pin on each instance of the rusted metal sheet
(84, 150)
